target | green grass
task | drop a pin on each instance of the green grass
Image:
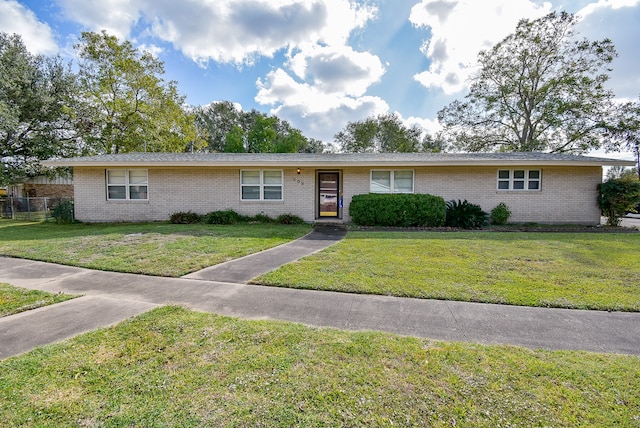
(569, 270)
(15, 299)
(173, 367)
(160, 249)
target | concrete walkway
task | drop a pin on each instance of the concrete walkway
(111, 297)
(240, 271)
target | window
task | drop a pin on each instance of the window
(261, 185)
(391, 181)
(519, 179)
(127, 184)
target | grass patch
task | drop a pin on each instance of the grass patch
(173, 367)
(14, 300)
(567, 270)
(159, 249)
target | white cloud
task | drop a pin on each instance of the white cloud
(460, 29)
(37, 36)
(606, 4)
(117, 17)
(338, 69)
(322, 125)
(238, 31)
(152, 49)
(325, 90)
(430, 126)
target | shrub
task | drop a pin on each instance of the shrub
(187, 217)
(397, 210)
(500, 214)
(63, 212)
(260, 218)
(618, 196)
(289, 219)
(465, 215)
(222, 217)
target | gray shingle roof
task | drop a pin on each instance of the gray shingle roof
(333, 159)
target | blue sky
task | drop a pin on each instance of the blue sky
(320, 64)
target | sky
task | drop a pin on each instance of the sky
(320, 64)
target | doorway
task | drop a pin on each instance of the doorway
(329, 194)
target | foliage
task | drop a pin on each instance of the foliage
(384, 133)
(500, 214)
(627, 128)
(63, 212)
(127, 106)
(258, 218)
(465, 215)
(622, 172)
(185, 217)
(229, 129)
(539, 89)
(222, 217)
(397, 210)
(14, 300)
(36, 101)
(618, 196)
(289, 219)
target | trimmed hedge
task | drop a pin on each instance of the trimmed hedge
(398, 210)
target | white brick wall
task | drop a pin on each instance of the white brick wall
(200, 190)
(567, 195)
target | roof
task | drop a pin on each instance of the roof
(332, 160)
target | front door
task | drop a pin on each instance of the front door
(329, 194)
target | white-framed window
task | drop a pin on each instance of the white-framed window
(519, 179)
(123, 184)
(391, 181)
(261, 185)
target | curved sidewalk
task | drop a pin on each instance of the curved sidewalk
(117, 296)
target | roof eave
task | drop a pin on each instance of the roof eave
(335, 163)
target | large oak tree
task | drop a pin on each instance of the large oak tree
(384, 133)
(540, 89)
(126, 104)
(229, 129)
(36, 104)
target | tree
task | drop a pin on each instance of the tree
(226, 127)
(539, 89)
(384, 133)
(234, 140)
(618, 196)
(127, 106)
(215, 121)
(627, 129)
(36, 99)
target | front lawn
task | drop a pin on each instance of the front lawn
(568, 270)
(160, 249)
(173, 367)
(15, 299)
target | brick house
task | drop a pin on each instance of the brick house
(537, 187)
(41, 186)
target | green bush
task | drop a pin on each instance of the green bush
(260, 218)
(289, 219)
(618, 196)
(500, 214)
(465, 215)
(222, 217)
(183, 217)
(397, 210)
(63, 212)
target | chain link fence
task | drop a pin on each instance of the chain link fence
(32, 208)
